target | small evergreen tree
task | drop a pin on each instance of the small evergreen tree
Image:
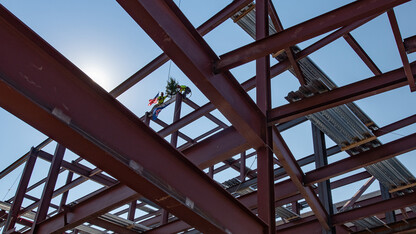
(171, 87)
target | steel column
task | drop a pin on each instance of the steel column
(385, 195)
(49, 186)
(319, 25)
(265, 181)
(324, 187)
(402, 51)
(65, 194)
(352, 92)
(132, 210)
(20, 192)
(243, 166)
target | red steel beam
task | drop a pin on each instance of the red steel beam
(410, 44)
(50, 183)
(205, 28)
(288, 161)
(375, 208)
(396, 125)
(346, 94)
(169, 28)
(319, 25)
(372, 156)
(33, 74)
(92, 207)
(362, 54)
(20, 192)
(402, 51)
(289, 52)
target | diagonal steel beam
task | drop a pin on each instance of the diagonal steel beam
(362, 54)
(35, 78)
(402, 51)
(175, 35)
(372, 156)
(206, 27)
(287, 160)
(319, 25)
(396, 125)
(352, 92)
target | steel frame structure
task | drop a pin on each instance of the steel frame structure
(36, 78)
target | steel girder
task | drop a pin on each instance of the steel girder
(35, 78)
(346, 94)
(410, 44)
(319, 25)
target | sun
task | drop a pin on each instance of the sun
(99, 75)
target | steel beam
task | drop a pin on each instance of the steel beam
(375, 208)
(362, 54)
(346, 94)
(65, 194)
(20, 192)
(92, 207)
(410, 44)
(402, 51)
(62, 117)
(281, 150)
(77, 168)
(47, 193)
(206, 27)
(111, 226)
(169, 28)
(396, 125)
(358, 194)
(372, 156)
(319, 25)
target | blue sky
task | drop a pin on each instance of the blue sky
(102, 40)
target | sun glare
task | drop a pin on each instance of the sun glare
(99, 75)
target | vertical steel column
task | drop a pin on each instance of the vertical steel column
(49, 186)
(20, 192)
(296, 207)
(243, 166)
(211, 172)
(65, 194)
(265, 185)
(173, 141)
(324, 188)
(390, 216)
(132, 210)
